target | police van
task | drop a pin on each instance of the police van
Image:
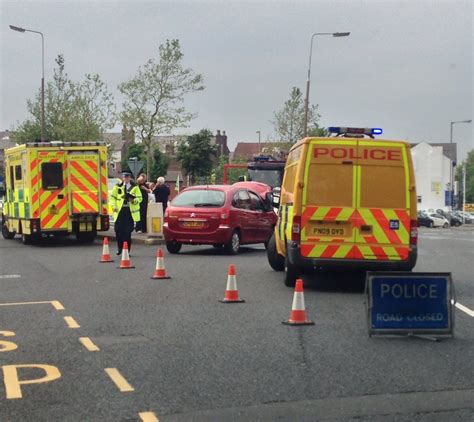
(55, 188)
(347, 201)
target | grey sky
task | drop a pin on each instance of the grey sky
(407, 66)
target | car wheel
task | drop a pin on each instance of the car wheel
(276, 261)
(445, 225)
(5, 233)
(291, 273)
(234, 244)
(173, 247)
(431, 225)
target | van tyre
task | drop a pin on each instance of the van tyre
(173, 247)
(8, 235)
(276, 261)
(29, 239)
(233, 246)
(291, 273)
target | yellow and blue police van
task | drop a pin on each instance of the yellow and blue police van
(55, 188)
(346, 201)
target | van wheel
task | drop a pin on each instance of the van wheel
(233, 246)
(276, 261)
(173, 247)
(29, 239)
(291, 273)
(8, 235)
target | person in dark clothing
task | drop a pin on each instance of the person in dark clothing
(141, 225)
(162, 193)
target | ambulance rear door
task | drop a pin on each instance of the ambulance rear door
(84, 182)
(328, 200)
(383, 201)
(52, 170)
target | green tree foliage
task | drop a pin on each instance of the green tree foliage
(160, 165)
(134, 150)
(233, 174)
(74, 111)
(154, 96)
(195, 155)
(469, 163)
(288, 122)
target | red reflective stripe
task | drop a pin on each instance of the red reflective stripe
(329, 251)
(84, 174)
(385, 226)
(61, 221)
(402, 252)
(79, 184)
(356, 253)
(404, 218)
(44, 204)
(49, 217)
(307, 214)
(333, 213)
(379, 252)
(83, 203)
(92, 165)
(306, 249)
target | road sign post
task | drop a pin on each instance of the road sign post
(135, 166)
(404, 303)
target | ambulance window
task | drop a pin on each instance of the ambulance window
(17, 172)
(330, 185)
(383, 187)
(11, 182)
(52, 176)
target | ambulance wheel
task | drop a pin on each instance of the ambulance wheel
(86, 237)
(276, 261)
(5, 233)
(291, 273)
(173, 247)
(233, 246)
(28, 239)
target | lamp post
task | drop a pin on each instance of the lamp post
(258, 140)
(306, 102)
(18, 29)
(451, 178)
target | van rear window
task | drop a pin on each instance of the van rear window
(383, 187)
(330, 185)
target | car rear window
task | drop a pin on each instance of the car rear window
(200, 198)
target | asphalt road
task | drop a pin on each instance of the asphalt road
(188, 357)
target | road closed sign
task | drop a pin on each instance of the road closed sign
(410, 303)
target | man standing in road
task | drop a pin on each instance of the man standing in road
(162, 193)
(141, 225)
(125, 202)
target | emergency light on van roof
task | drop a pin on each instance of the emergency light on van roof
(356, 130)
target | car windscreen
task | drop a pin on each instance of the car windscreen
(269, 177)
(200, 198)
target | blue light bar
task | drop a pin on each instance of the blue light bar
(377, 131)
(355, 130)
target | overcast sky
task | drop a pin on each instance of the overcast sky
(406, 67)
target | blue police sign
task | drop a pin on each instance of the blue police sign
(409, 303)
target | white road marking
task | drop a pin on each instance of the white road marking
(10, 276)
(464, 309)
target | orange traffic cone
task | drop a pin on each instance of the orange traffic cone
(231, 292)
(160, 271)
(298, 313)
(125, 263)
(105, 252)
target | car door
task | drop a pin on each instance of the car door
(242, 208)
(262, 220)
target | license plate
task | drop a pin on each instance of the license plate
(193, 224)
(329, 231)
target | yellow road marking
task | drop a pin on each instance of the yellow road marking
(87, 343)
(148, 417)
(119, 380)
(71, 322)
(12, 381)
(56, 304)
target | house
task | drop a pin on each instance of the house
(118, 143)
(245, 151)
(434, 168)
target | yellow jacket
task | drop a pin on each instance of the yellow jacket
(117, 200)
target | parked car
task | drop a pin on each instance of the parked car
(464, 216)
(424, 220)
(439, 220)
(220, 215)
(453, 219)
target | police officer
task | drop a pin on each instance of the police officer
(125, 202)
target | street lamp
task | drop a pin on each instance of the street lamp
(258, 140)
(18, 29)
(306, 103)
(451, 178)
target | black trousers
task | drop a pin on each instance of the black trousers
(124, 228)
(141, 225)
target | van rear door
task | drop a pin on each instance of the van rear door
(328, 199)
(383, 201)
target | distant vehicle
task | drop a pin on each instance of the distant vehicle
(453, 219)
(439, 220)
(220, 215)
(468, 218)
(424, 220)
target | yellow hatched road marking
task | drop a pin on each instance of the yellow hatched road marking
(71, 322)
(87, 343)
(148, 417)
(119, 380)
(55, 303)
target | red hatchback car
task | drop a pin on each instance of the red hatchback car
(221, 215)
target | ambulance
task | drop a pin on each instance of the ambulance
(346, 201)
(55, 188)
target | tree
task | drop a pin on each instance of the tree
(76, 111)
(288, 122)
(469, 163)
(134, 150)
(160, 165)
(195, 155)
(154, 96)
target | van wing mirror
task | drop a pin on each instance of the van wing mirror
(275, 197)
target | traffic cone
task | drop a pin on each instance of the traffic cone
(231, 292)
(160, 271)
(298, 313)
(105, 252)
(125, 263)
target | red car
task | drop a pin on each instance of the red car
(221, 215)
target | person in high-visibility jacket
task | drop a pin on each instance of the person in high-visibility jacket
(125, 203)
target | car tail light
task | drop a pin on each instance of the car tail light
(413, 232)
(296, 229)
